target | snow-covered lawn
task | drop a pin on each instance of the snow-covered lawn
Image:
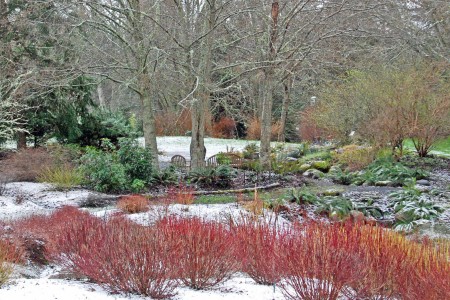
(171, 145)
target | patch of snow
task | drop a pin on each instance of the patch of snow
(36, 198)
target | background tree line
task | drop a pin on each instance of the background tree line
(216, 67)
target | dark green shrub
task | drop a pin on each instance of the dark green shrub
(136, 160)
(103, 171)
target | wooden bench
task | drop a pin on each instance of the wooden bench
(230, 159)
(179, 161)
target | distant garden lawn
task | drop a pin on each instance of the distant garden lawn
(441, 147)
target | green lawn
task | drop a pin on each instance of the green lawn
(441, 147)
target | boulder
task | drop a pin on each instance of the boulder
(321, 165)
(423, 182)
(371, 221)
(335, 169)
(304, 167)
(384, 183)
(357, 216)
(313, 173)
(331, 192)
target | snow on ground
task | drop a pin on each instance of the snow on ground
(21, 199)
(240, 287)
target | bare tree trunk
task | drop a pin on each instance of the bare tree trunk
(148, 117)
(197, 147)
(201, 97)
(21, 140)
(285, 108)
(266, 116)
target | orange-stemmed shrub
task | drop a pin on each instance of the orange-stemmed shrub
(132, 204)
(224, 128)
(254, 130)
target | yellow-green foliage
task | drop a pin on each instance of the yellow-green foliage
(355, 157)
(63, 176)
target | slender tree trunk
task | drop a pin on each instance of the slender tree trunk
(148, 118)
(201, 96)
(269, 72)
(285, 109)
(101, 96)
(197, 147)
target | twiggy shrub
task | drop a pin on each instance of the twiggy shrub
(206, 254)
(259, 248)
(133, 204)
(37, 235)
(224, 128)
(362, 262)
(355, 157)
(122, 256)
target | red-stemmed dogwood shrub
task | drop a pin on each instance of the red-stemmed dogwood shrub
(260, 244)
(122, 256)
(327, 261)
(36, 235)
(206, 254)
(316, 263)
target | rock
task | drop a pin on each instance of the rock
(304, 167)
(371, 221)
(423, 188)
(321, 165)
(331, 193)
(313, 173)
(291, 159)
(357, 216)
(334, 169)
(423, 182)
(384, 183)
(98, 200)
(334, 217)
